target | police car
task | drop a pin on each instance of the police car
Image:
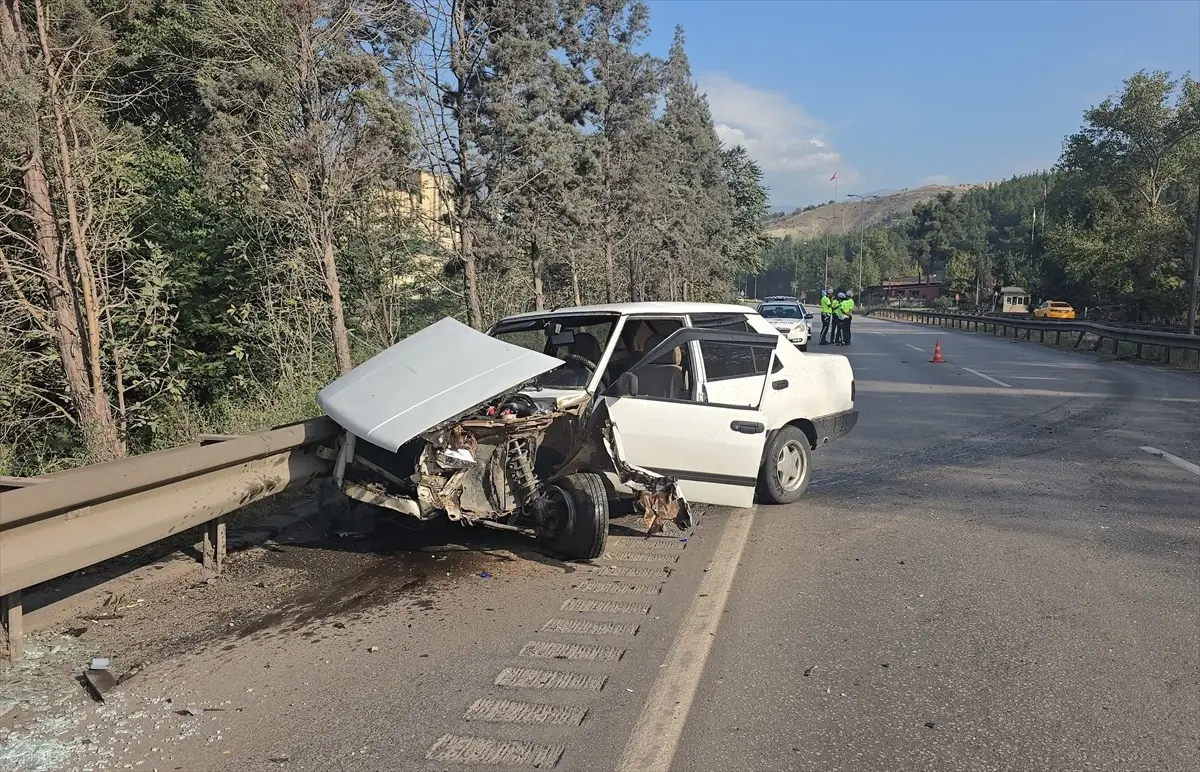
(789, 318)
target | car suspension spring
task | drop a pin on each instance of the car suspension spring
(519, 455)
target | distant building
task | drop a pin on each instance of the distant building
(898, 291)
(1012, 300)
(427, 199)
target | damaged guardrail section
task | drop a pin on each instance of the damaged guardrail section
(54, 525)
(1167, 347)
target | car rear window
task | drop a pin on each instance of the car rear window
(731, 322)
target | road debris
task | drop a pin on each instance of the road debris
(373, 649)
(98, 679)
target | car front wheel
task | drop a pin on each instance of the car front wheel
(803, 346)
(786, 466)
(577, 523)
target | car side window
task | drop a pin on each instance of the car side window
(724, 361)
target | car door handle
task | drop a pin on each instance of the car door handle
(747, 427)
(780, 384)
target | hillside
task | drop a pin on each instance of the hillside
(828, 218)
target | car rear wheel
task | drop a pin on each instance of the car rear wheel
(786, 466)
(577, 521)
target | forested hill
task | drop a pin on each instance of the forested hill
(837, 216)
(1112, 226)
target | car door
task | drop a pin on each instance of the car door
(714, 450)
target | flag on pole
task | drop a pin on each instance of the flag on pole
(834, 177)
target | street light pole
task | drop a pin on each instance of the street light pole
(1191, 317)
(862, 201)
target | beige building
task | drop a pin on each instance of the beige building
(428, 199)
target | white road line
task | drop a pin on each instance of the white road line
(915, 348)
(988, 378)
(1176, 460)
(660, 725)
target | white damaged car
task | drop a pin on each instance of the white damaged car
(537, 425)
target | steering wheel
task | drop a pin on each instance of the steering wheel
(587, 363)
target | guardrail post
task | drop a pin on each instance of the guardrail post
(214, 544)
(10, 614)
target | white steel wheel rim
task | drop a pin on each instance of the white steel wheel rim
(789, 465)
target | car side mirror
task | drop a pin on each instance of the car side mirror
(808, 315)
(626, 386)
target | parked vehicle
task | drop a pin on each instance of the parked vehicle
(538, 424)
(790, 319)
(1054, 309)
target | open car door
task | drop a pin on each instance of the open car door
(713, 450)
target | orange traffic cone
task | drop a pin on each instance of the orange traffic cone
(937, 353)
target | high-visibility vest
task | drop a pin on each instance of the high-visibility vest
(837, 308)
(848, 306)
(826, 305)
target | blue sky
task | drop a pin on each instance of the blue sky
(899, 94)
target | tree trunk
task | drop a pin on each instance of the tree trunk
(460, 65)
(535, 263)
(610, 279)
(575, 284)
(100, 431)
(82, 366)
(341, 336)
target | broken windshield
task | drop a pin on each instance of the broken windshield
(578, 340)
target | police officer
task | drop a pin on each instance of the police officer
(826, 315)
(838, 318)
(847, 306)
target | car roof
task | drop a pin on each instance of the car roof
(625, 309)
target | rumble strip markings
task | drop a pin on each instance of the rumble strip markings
(660, 725)
(556, 718)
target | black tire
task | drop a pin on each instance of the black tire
(782, 488)
(803, 347)
(580, 527)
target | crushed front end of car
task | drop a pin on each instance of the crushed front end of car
(450, 422)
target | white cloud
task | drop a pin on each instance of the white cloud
(790, 145)
(935, 179)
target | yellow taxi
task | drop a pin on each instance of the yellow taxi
(1054, 309)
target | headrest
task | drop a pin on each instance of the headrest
(672, 357)
(585, 345)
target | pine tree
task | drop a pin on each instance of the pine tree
(695, 221)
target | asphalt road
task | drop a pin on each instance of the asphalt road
(983, 576)
(988, 573)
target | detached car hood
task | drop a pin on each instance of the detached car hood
(433, 376)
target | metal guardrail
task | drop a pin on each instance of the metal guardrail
(1143, 341)
(51, 526)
